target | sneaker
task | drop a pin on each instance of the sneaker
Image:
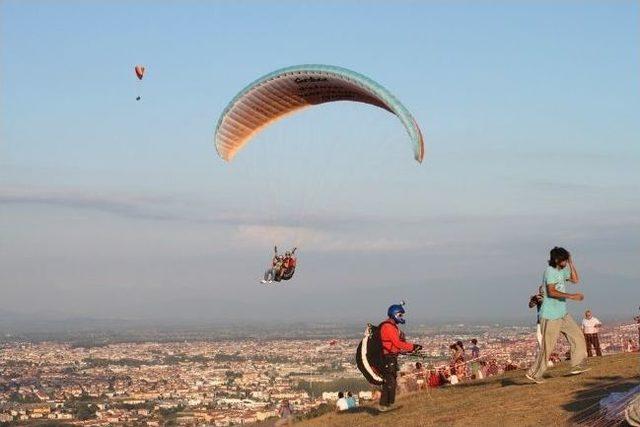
(263, 281)
(383, 408)
(578, 370)
(534, 379)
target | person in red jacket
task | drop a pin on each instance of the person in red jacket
(282, 267)
(289, 265)
(393, 344)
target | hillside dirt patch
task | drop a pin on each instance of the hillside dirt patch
(506, 400)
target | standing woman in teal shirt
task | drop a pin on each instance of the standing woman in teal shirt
(554, 318)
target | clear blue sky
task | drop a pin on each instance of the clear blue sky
(115, 208)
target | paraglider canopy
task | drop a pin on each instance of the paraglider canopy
(290, 89)
(139, 69)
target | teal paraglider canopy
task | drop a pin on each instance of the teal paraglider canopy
(285, 91)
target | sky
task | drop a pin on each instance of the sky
(117, 209)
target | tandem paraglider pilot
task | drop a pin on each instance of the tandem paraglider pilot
(377, 354)
(282, 267)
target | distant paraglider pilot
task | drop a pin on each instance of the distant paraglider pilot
(139, 70)
(282, 267)
(393, 344)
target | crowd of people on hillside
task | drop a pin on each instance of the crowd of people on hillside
(467, 361)
(461, 368)
(458, 370)
(553, 319)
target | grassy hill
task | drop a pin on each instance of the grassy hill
(507, 400)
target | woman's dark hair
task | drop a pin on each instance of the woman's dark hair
(474, 341)
(340, 395)
(453, 346)
(459, 344)
(557, 255)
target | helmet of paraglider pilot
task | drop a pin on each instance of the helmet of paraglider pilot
(396, 313)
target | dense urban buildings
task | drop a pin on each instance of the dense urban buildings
(222, 382)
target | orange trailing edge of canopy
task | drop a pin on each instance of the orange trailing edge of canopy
(285, 91)
(139, 69)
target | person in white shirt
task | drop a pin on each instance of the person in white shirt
(590, 328)
(453, 379)
(342, 404)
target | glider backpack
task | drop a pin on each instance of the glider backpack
(369, 356)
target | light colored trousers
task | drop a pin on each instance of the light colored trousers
(551, 329)
(539, 336)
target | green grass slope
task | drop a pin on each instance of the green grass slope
(507, 400)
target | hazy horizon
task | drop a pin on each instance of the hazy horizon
(117, 209)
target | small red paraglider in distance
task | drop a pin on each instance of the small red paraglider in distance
(139, 69)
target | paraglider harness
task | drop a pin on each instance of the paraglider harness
(369, 355)
(282, 273)
(286, 273)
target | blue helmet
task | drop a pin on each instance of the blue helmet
(396, 312)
